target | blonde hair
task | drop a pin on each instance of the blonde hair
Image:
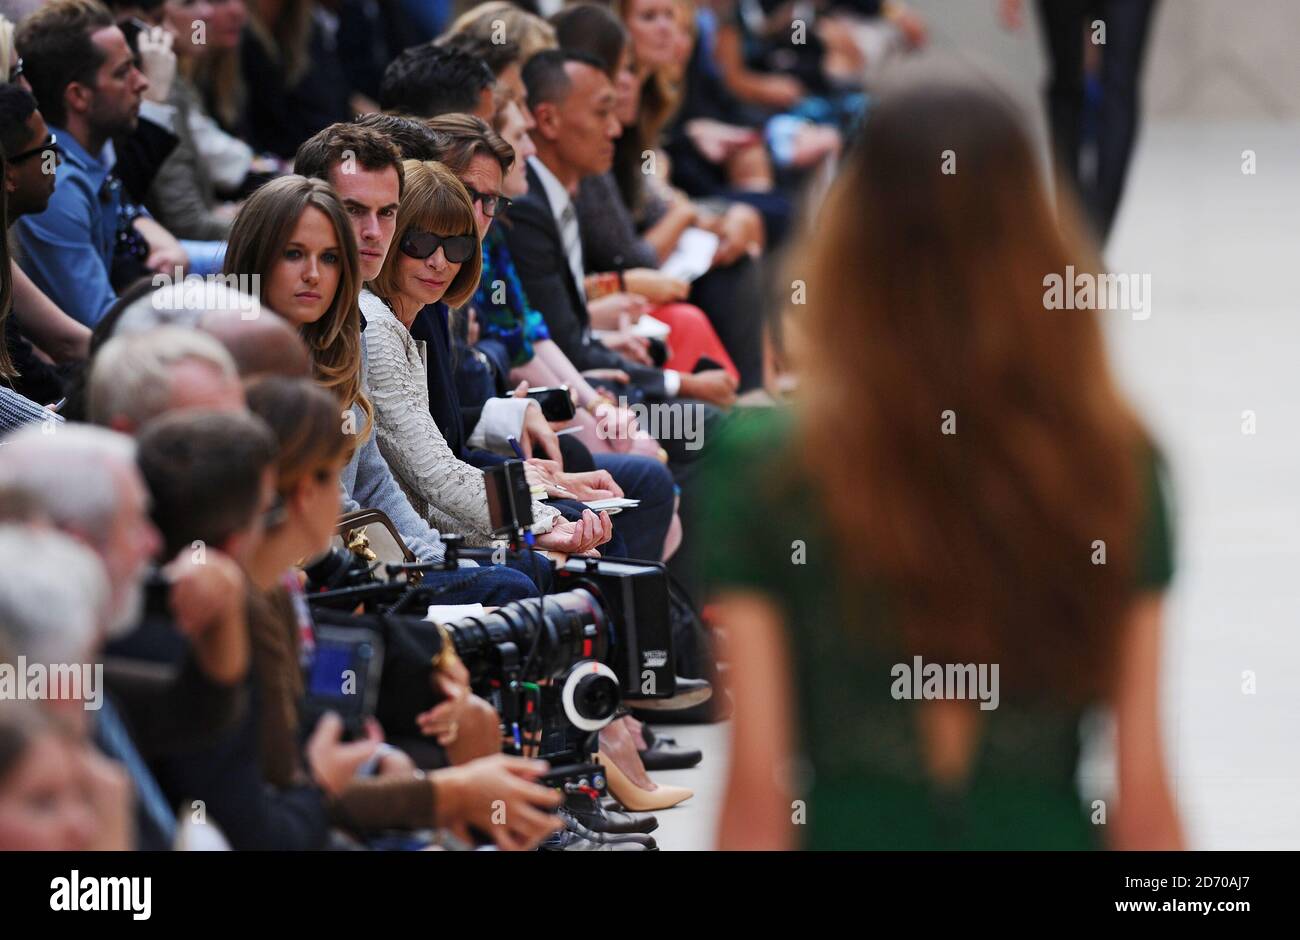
(434, 201)
(528, 31)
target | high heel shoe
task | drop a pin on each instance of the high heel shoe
(665, 753)
(636, 799)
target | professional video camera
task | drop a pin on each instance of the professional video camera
(556, 668)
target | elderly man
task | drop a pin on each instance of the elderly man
(136, 378)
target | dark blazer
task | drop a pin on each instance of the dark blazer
(538, 253)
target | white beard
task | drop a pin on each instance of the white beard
(127, 617)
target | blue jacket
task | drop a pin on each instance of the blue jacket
(67, 250)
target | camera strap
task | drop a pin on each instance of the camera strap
(302, 615)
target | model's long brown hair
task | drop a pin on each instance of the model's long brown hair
(257, 239)
(924, 314)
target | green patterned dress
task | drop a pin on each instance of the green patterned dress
(864, 783)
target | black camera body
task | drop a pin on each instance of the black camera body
(344, 676)
(635, 596)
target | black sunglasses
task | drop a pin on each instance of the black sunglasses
(457, 249)
(51, 145)
(16, 70)
(491, 202)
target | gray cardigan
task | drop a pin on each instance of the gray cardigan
(368, 483)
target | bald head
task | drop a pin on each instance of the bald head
(264, 345)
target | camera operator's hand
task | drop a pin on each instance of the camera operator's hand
(496, 795)
(207, 601)
(581, 537)
(442, 722)
(333, 761)
(395, 763)
(715, 386)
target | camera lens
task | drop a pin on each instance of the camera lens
(590, 695)
(596, 697)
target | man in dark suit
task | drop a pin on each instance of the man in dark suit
(572, 101)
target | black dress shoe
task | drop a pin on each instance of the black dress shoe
(589, 811)
(566, 841)
(715, 709)
(689, 694)
(604, 838)
(665, 754)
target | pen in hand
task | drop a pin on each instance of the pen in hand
(519, 452)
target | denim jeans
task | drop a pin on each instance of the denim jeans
(490, 585)
(644, 528)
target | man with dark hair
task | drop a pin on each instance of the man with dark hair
(429, 80)
(355, 143)
(31, 157)
(88, 86)
(31, 154)
(210, 475)
(505, 59)
(572, 100)
(365, 170)
(411, 136)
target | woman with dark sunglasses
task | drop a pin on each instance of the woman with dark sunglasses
(438, 259)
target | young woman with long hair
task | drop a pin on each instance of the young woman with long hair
(294, 236)
(962, 489)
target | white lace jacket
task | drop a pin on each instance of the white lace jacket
(443, 488)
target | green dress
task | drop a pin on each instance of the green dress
(861, 774)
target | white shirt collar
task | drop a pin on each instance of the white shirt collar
(556, 194)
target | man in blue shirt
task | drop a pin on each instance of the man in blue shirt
(84, 77)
